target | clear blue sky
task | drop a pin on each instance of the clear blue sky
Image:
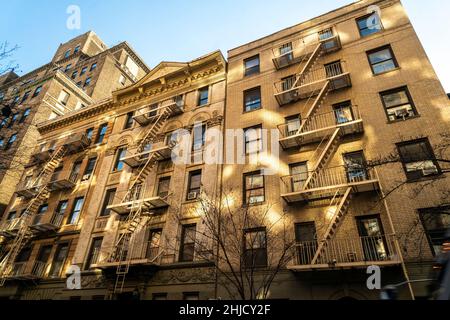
(180, 30)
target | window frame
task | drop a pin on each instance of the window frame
(200, 100)
(74, 211)
(365, 17)
(404, 163)
(107, 201)
(260, 140)
(264, 249)
(101, 136)
(9, 144)
(245, 190)
(249, 91)
(250, 71)
(36, 92)
(189, 188)
(393, 58)
(129, 121)
(183, 243)
(59, 247)
(410, 102)
(119, 165)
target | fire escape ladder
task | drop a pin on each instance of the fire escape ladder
(339, 204)
(309, 65)
(124, 246)
(322, 155)
(305, 126)
(24, 234)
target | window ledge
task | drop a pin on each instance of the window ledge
(251, 111)
(438, 176)
(386, 72)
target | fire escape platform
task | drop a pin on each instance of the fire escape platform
(28, 193)
(326, 192)
(137, 160)
(44, 228)
(345, 266)
(61, 184)
(309, 137)
(133, 263)
(145, 116)
(304, 91)
(147, 205)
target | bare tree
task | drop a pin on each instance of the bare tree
(248, 245)
(6, 52)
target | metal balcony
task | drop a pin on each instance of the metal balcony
(27, 189)
(300, 50)
(41, 156)
(323, 184)
(150, 114)
(315, 128)
(148, 204)
(141, 255)
(77, 142)
(139, 159)
(299, 87)
(346, 253)
(38, 226)
(62, 180)
(9, 228)
(18, 271)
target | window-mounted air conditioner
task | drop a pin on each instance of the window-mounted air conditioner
(430, 171)
(192, 196)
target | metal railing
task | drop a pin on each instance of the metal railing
(39, 269)
(335, 118)
(294, 51)
(335, 176)
(153, 110)
(77, 141)
(347, 251)
(17, 269)
(65, 175)
(316, 75)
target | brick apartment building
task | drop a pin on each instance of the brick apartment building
(82, 71)
(360, 121)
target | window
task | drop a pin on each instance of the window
(25, 115)
(129, 121)
(343, 112)
(369, 24)
(68, 67)
(25, 96)
(191, 296)
(163, 187)
(3, 123)
(94, 252)
(108, 201)
(122, 79)
(39, 215)
(436, 222)
(333, 69)
(83, 71)
(203, 96)
(292, 125)
(253, 140)
(37, 92)
(61, 210)
(58, 260)
(119, 164)
(87, 82)
(76, 170)
(373, 238)
(299, 174)
(326, 34)
(16, 99)
(89, 168)
(199, 137)
(254, 192)
(194, 185)
(76, 210)
(11, 141)
(251, 66)
(2, 142)
(187, 249)
(79, 83)
(418, 159)
(255, 247)
(307, 244)
(67, 54)
(382, 60)
(101, 133)
(398, 104)
(13, 120)
(77, 49)
(93, 67)
(63, 98)
(355, 166)
(154, 243)
(159, 296)
(74, 74)
(286, 50)
(252, 99)
(12, 215)
(90, 133)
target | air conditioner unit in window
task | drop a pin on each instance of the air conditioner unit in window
(86, 177)
(402, 114)
(192, 196)
(430, 171)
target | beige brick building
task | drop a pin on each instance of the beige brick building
(346, 119)
(83, 70)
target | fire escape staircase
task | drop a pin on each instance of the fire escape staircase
(24, 234)
(125, 242)
(339, 205)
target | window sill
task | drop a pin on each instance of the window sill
(401, 120)
(386, 72)
(251, 111)
(438, 176)
(201, 107)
